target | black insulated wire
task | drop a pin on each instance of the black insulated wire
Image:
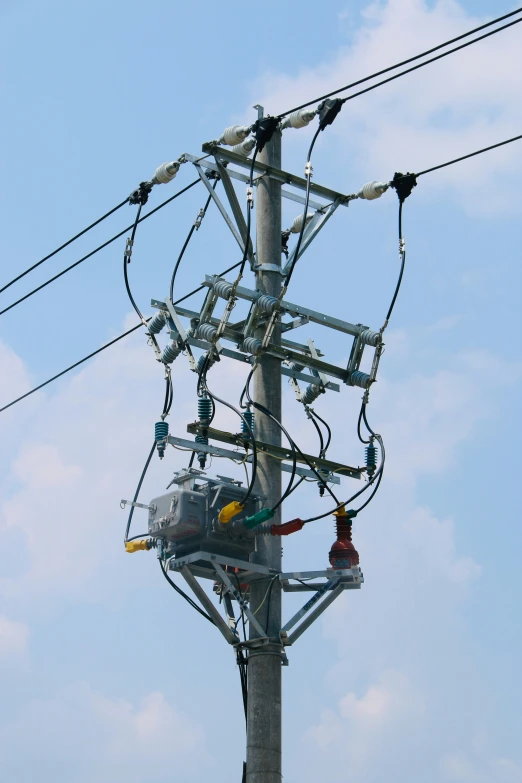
(100, 247)
(405, 62)
(137, 492)
(65, 244)
(469, 155)
(187, 598)
(126, 262)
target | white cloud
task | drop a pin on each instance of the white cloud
(13, 638)
(447, 109)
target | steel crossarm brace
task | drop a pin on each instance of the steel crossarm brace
(329, 585)
(318, 221)
(209, 606)
(278, 174)
(321, 465)
(249, 571)
(224, 213)
(235, 206)
(315, 613)
(239, 598)
(175, 318)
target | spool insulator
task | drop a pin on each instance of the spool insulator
(170, 353)
(311, 393)
(206, 332)
(249, 416)
(157, 323)
(204, 410)
(161, 431)
(361, 379)
(266, 303)
(201, 455)
(343, 554)
(369, 337)
(370, 455)
(222, 288)
(252, 345)
(373, 190)
(234, 134)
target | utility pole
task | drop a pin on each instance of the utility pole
(264, 663)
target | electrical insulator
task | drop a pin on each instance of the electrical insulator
(234, 135)
(171, 352)
(201, 362)
(373, 190)
(297, 222)
(157, 323)
(245, 148)
(205, 416)
(248, 415)
(161, 431)
(343, 554)
(229, 511)
(299, 118)
(166, 172)
(138, 546)
(370, 454)
(311, 393)
(252, 345)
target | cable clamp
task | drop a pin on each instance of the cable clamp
(128, 249)
(308, 169)
(250, 196)
(198, 220)
(402, 246)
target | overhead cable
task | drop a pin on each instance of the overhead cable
(412, 59)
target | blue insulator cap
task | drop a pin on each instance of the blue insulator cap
(161, 430)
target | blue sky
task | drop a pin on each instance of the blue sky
(106, 675)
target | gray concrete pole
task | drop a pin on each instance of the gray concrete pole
(264, 665)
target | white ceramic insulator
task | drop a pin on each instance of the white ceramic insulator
(245, 148)
(234, 135)
(299, 119)
(166, 172)
(372, 190)
(297, 223)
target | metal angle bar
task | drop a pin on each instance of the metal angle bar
(329, 477)
(245, 566)
(342, 573)
(235, 207)
(221, 208)
(315, 613)
(177, 323)
(300, 199)
(314, 228)
(315, 586)
(239, 598)
(309, 604)
(323, 465)
(278, 174)
(209, 606)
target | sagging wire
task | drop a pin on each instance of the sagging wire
(184, 595)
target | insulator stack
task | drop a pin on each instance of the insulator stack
(370, 455)
(204, 411)
(171, 352)
(373, 190)
(166, 172)
(234, 135)
(245, 148)
(266, 303)
(161, 431)
(297, 222)
(201, 362)
(361, 379)
(296, 366)
(206, 332)
(311, 393)
(222, 288)
(202, 455)
(157, 323)
(252, 345)
(299, 119)
(249, 417)
(369, 337)
(343, 554)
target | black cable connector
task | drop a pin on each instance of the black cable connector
(328, 111)
(141, 194)
(403, 184)
(264, 129)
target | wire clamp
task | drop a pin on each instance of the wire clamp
(402, 246)
(308, 169)
(198, 220)
(250, 196)
(128, 249)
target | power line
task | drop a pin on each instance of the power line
(107, 345)
(101, 247)
(65, 244)
(469, 155)
(412, 59)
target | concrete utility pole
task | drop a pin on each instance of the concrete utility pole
(264, 663)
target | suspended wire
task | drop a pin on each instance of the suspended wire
(249, 214)
(412, 59)
(187, 598)
(136, 494)
(103, 347)
(328, 430)
(65, 244)
(402, 251)
(126, 262)
(469, 155)
(101, 247)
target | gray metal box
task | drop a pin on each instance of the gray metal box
(178, 515)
